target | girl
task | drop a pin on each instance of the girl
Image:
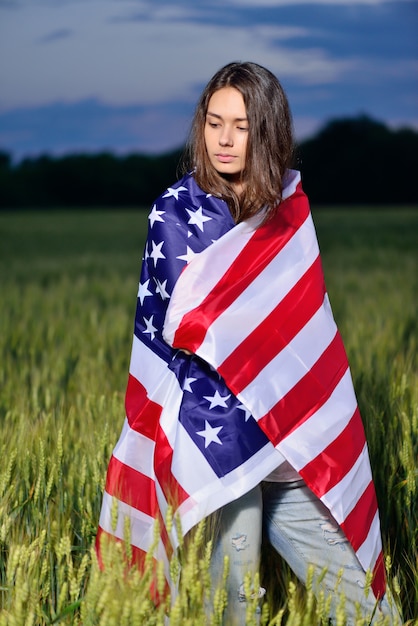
(239, 398)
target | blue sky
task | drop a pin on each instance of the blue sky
(124, 75)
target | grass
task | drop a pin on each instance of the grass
(68, 286)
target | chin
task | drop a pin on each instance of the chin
(227, 172)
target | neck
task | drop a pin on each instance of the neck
(236, 183)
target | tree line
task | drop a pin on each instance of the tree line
(355, 161)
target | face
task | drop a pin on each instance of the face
(226, 134)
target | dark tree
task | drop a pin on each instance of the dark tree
(360, 161)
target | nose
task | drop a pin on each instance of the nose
(225, 137)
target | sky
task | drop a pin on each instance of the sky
(124, 75)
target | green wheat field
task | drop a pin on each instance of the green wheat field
(67, 303)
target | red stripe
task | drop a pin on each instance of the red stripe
(137, 558)
(335, 461)
(357, 524)
(379, 577)
(163, 460)
(250, 262)
(143, 414)
(98, 545)
(164, 534)
(309, 393)
(276, 330)
(132, 487)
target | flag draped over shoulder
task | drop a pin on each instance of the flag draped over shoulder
(268, 379)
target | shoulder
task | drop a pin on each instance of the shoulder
(291, 182)
(293, 208)
(185, 197)
(179, 191)
(168, 205)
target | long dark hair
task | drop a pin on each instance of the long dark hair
(269, 146)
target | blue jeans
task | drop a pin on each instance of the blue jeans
(301, 529)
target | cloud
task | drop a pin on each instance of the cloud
(141, 62)
(159, 12)
(56, 35)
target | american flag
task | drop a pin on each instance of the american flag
(268, 379)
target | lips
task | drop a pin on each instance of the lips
(225, 158)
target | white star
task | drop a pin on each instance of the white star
(149, 327)
(156, 252)
(143, 291)
(197, 217)
(217, 400)
(210, 434)
(188, 256)
(187, 383)
(161, 288)
(155, 216)
(246, 411)
(171, 191)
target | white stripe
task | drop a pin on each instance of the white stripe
(211, 496)
(343, 497)
(135, 450)
(163, 507)
(259, 464)
(150, 370)
(260, 297)
(290, 365)
(142, 528)
(291, 180)
(189, 465)
(202, 273)
(141, 524)
(209, 491)
(323, 427)
(370, 549)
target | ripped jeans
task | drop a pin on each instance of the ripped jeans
(301, 529)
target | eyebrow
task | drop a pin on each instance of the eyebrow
(219, 117)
